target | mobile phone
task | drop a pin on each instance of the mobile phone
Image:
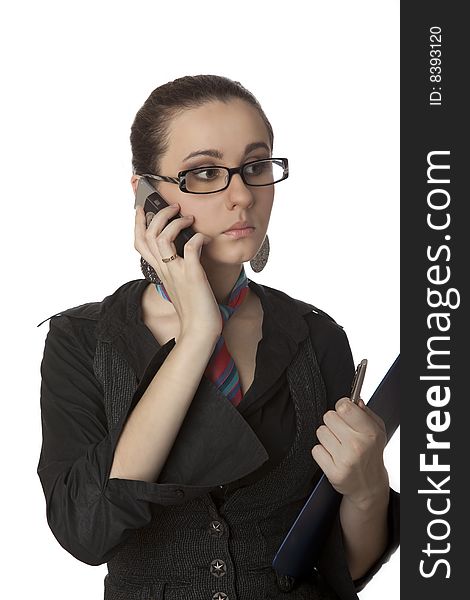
(148, 197)
(357, 381)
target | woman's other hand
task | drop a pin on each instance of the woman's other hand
(350, 452)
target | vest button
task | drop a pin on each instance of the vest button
(285, 582)
(179, 493)
(216, 529)
(218, 568)
(220, 596)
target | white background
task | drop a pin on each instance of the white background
(74, 75)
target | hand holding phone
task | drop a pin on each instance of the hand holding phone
(184, 278)
(148, 197)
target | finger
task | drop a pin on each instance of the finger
(173, 228)
(323, 458)
(139, 230)
(338, 426)
(372, 415)
(166, 238)
(170, 232)
(139, 218)
(193, 247)
(161, 218)
(169, 229)
(148, 227)
(148, 224)
(166, 248)
(148, 218)
(329, 441)
(352, 414)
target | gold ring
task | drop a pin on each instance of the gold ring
(165, 260)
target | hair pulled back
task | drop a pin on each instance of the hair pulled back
(150, 130)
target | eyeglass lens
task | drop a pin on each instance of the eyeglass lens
(212, 179)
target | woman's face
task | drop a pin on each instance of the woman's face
(237, 132)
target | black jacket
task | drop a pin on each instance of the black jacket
(173, 539)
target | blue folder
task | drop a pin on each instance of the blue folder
(301, 546)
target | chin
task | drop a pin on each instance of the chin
(229, 258)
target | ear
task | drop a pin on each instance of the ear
(134, 182)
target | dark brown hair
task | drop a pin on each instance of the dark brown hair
(149, 132)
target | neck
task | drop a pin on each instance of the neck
(222, 278)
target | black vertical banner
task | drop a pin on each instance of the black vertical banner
(435, 259)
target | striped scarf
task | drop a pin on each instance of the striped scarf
(221, 368)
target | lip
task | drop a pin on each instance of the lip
(239, 225)
(240, 233)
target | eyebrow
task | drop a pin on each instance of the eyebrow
(217, 154)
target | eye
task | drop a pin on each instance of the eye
(207, 173)
(258, 168)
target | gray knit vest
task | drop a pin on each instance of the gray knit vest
(196, 551)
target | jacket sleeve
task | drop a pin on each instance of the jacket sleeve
(337, 367)
(393, 540)
(334, 356)
(89, 514)
(333, 565)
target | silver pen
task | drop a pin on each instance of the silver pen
(357, 381)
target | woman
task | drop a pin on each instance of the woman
(186, 417)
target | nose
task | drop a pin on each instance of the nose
(238, 192)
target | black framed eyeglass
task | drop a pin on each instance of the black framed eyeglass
(209, 180)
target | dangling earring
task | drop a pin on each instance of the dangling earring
(149, 272)
(258, 262)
